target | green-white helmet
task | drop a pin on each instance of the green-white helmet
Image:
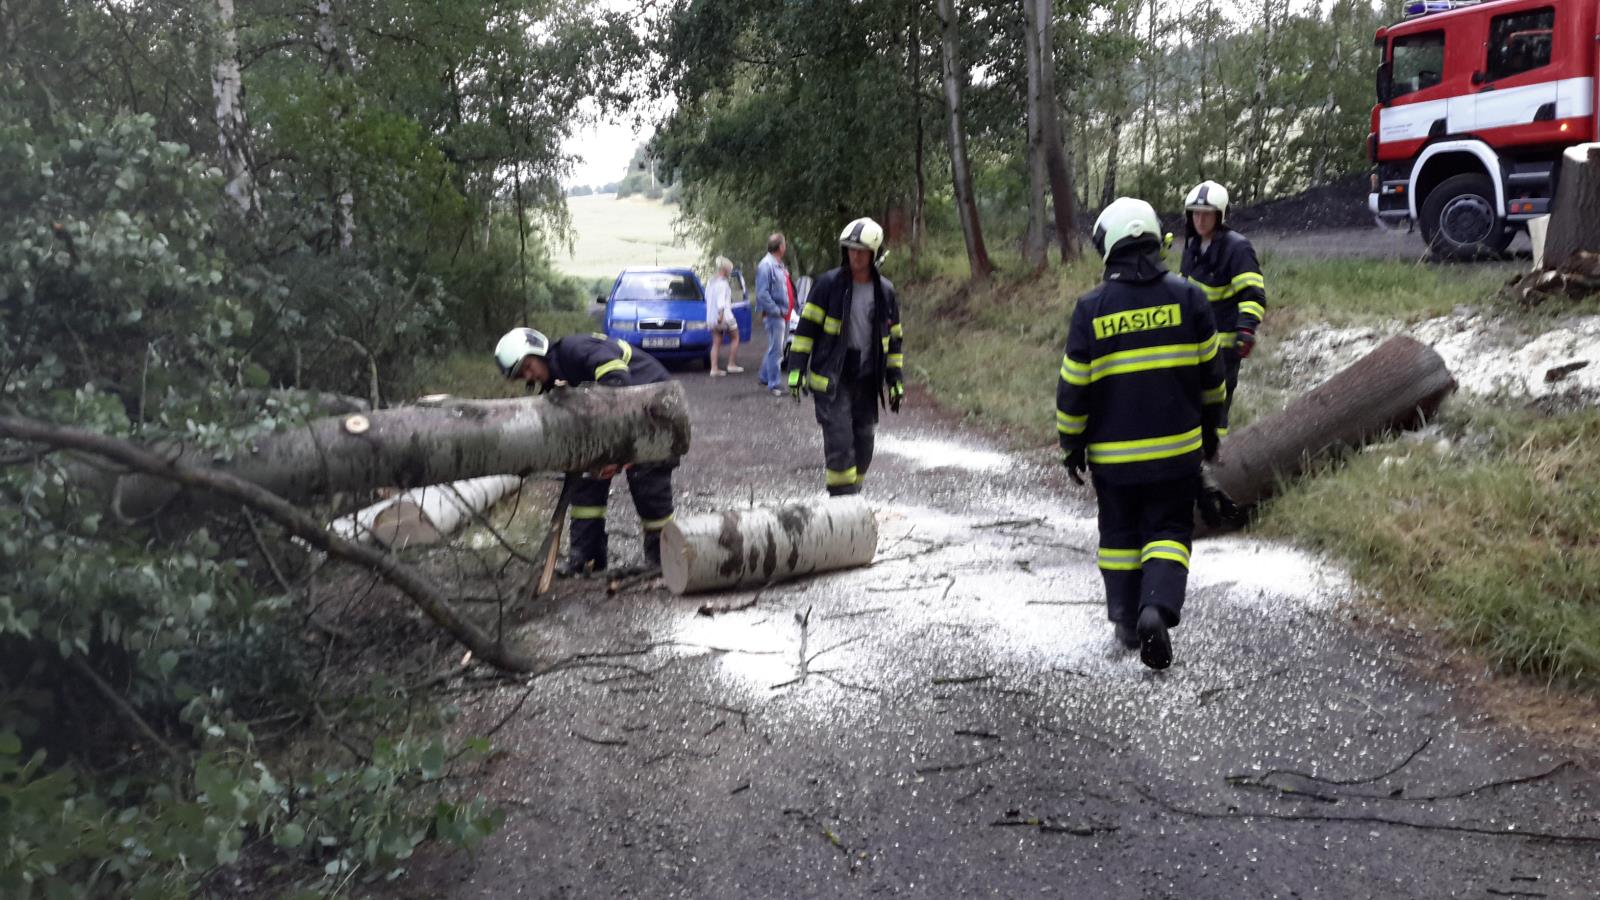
(862, 234)
(517, 344)
(1125, 219)
(1208, 195)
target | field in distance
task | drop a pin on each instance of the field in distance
(609, 234)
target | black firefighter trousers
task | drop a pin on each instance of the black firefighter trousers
(1145, 534)
(849, 418)
(651, 486)
(1230, 365)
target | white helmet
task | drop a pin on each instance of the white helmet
(1125, 219)
(517, 344)
(862, 234)
(1208, 195)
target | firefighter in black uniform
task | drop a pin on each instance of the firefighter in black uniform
(1139, 403)
(1222, 263)
(527, 355)
(847, 353)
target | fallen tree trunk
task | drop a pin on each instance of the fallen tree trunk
(428, 596)
(425, 515)
(765, 545)
(1396, 386)
(574, 429)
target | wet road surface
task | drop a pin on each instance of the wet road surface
(956, 720)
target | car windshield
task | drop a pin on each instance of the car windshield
(657, 286)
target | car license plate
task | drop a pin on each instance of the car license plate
(659, 343)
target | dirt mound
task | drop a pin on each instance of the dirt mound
(1339, 204)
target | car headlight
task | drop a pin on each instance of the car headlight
(696, 326)
(624, 324)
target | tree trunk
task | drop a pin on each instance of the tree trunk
(960, 171)
(571, 430)
(920, 198)
(233, 130)
(1575, 217)
(1035, 243)
(766, 545)
(344, 217)
(425, 515)
(1396, 386)
(1055, 154)
(1108, 191)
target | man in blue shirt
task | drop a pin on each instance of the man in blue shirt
(772, 298)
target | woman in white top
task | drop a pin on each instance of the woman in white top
(719, 312)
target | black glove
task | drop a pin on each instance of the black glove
(1243, 342)
(1210, 442)
(1206, 503)
(897, 395)
(1076, 461)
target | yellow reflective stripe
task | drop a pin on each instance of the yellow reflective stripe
(656, 524)
(1074, 372)
(1208, 349)
(895, 331)
(897, 360)
(1071, 424)
(598, 336)
(627, 351)
(1252, 308)
(1144, 359)
(1227, 339)
(818, 382)
(841, 479)
(830, 325)
(1212, 293)
(1169, 550)
(1117, 560)
(812, 312)
(1247, 280)
(588, 512)
(1218, 394)
(1145, 449)
(616, 365)
(885, 343)
(1222, 432)
(802, 344)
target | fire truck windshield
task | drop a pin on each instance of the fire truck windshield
(1418, 62)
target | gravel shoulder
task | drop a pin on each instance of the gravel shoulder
(956, 721)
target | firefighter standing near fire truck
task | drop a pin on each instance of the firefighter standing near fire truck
(1222, 263)
(524, 354)
(1138, 403)
(847, 354)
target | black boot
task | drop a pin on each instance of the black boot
(573, 567)
(1127, 636)
(1155, 648)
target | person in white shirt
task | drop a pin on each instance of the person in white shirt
(719, 312)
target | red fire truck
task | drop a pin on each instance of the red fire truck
(1476, 101)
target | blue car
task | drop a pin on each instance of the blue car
(663, 312)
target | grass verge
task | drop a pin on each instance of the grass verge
(1493, 539)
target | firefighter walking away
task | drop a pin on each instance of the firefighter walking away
(847, 353)
(1222, 263)
(1139, 403)
(526, 355)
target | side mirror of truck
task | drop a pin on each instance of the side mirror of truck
(1385, 83)
(600, 300)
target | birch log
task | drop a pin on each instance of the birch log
(1398, 385)
(767, 544)
(570, 430)
(426, 515)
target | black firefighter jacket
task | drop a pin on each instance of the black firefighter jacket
(1229, 275)
(820, 346)
(581, 358)
(1142, 375)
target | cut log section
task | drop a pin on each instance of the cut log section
(573, 429)
(1575, 217)
(768, 544)
(1396, 386)
(426, 515)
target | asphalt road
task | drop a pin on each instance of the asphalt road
(956, 721)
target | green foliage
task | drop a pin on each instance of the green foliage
(1488, 531)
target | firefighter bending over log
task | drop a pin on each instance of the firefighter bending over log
(847, 353)
(1222, 263)
(1139, 403)
(528, 356)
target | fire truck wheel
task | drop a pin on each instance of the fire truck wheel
(1459, 219)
